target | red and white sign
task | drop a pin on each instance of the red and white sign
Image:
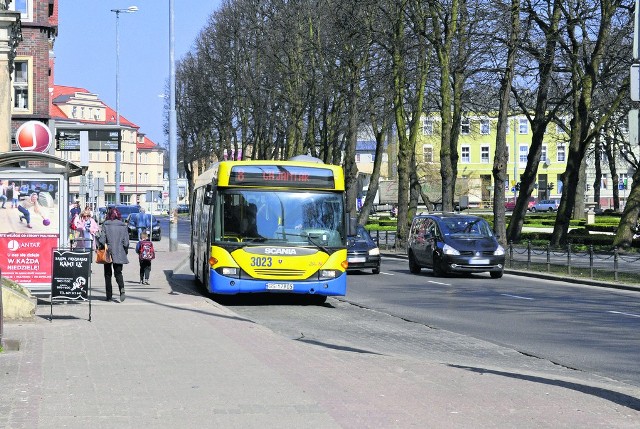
(27, 257)
(33, 136)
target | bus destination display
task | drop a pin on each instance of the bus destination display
(281, 176)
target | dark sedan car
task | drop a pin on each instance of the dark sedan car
(363, 252)
(132, 225)
(449, 243)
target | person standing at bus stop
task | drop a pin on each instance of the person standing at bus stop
(116, 236)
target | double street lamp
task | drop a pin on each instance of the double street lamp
(130, 9)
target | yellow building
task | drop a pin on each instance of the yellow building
(476, 149)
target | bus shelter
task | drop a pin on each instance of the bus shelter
(34, 215)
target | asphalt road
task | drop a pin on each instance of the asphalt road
(514, 322)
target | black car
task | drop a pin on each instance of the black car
(132, 226)
(362, 252)
(449, 243)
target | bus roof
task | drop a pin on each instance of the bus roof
(290, 174)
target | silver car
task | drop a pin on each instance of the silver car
(546, 206)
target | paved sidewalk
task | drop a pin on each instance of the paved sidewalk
(170, 358)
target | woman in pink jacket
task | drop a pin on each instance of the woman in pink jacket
(86, 228)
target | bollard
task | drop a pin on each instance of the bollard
(591, 260)
(528, 255)
(548, 258)
(511, 254)
(615, 263)
(569, 258)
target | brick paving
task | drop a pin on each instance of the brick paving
(169, 358)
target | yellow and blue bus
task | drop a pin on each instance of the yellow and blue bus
(270, 226)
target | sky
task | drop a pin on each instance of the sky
(85, 52)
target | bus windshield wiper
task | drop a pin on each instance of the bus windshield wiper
(250, 240)
(318, 245)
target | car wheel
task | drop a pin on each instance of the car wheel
(413, 265)
(533, 209)
(376, 270)
(496, 274)
(550, 209)
(437, 266)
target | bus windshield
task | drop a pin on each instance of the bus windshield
(287, 218)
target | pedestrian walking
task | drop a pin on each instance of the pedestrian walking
(116, 236)
(86, 227)
(146, 253)
(3, 193)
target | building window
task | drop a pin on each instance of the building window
(131, 159)
(139, 177)
(427, 153)
(465, 126)
(543, 155)
(20, 84)
(561, 153)
(485, 127)
(108, 156)
(465, 156)
(560, 128)
(146, 177)
(524, 152)
(484, 154)
(523, 126)
(25, 8)
(131, 178)
(139, 157)
(159, 177)
(604, 181)
(427, 127)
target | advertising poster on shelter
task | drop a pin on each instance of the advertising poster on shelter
(29, 228)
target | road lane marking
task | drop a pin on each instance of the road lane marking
(387, 274)
(624, 314)
(516, 296)
(438, 283)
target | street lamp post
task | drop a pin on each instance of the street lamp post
(173, 149)
(130, 9)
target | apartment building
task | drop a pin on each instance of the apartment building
(141, 163)
(476, 150)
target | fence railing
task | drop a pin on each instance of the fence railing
(614, 265)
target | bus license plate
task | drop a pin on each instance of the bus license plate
(480, 262)
(279, 286)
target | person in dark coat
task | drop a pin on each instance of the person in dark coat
(116, 236)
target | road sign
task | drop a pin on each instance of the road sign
(634, 82)
(634, 122)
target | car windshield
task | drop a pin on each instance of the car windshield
(362, 236)
(466, 226)
(279, 217)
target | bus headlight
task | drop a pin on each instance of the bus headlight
(230, 272)
(328, 274)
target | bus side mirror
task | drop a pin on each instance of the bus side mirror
(208, 195)
(353, 223)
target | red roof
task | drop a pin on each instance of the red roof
(63, 93)
(147, 144)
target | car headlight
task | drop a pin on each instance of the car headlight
(374, 252)
(448, 250)
(499, 251)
